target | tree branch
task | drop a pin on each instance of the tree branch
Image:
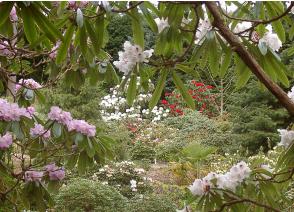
(247, 58)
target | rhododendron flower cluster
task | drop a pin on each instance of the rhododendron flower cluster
(229, 180)
(205, 97)
(55, 172)
(287, 137)
(39, 130)
(6, 140)
(82, 127)
(161, 23)
(12, 112)
(242, 26)
(131, 55)
(65, 118)
(114, 106)
(57, 114)
(33, 176)
(28, 83)
(203, 28)
(271, 40)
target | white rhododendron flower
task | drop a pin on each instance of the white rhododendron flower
(287, 137)
(240, 27)
(271, 40)
(161, 24)
(291, 94)
(267, 168)
(133, 185)
(203, 28)
(229, 180)
(131, 55)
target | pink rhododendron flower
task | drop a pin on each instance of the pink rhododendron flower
(5, 141)
(11, 111)
(4, 49)
(39, 130)
(53, 52)
(55, 172)
(33, 176)
(62, 117)
(29, 83)
(82, 127)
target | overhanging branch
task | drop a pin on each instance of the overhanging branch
(247, 58)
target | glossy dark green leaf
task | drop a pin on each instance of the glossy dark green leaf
(29, 25)
(183, 90)
(132, 89)
(93, 37)
(277, 25)
(137, 27)
(5, 8)
(63, 49)
(242, 71)
(226, 62)
(57, 130)
(158, 89)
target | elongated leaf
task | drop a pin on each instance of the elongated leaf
(99, 28)
(180, 85)
(83, 41)
(83, 162)
(63, 49)
(45, 25)
(149, 18)
(277, 25)
(188, 70)
(226, 62)
(57, 129)
(5, 8)
(29, 25)
(242, 71)
(93, 37)
(132, 89)
(137, 27)
(159, 88)
(213, 55)
(279, 68)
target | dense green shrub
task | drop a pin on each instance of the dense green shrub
(152, 203)
(120, 175)
(141, 150)
(87, 195)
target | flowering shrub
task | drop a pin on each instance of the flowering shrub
(205, 98)
(125, 177)
(114, 105)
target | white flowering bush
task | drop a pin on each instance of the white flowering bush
(125, 177)
(114, 106)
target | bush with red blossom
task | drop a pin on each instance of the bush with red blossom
(206, 99)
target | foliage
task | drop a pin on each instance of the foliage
(256, 116)
(120, 175)
(87, 195)
(142, 151)
(152, 203)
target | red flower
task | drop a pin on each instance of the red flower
(198, 84)
(209, 87)
(167, 94)
(180, 112)
(172, 106)
(165, 102)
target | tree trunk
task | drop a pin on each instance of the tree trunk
(247, 58)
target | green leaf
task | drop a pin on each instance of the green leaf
(213, 55)
(63, 49)
(5, 8)
(132, 89)
(277, 25)
(187, 70)
(83, 162)
(57, 129)
(1, 87)
(93, 37)
(16, 129)
(242, 71)
(262, 47)
(226, 62)
(29, 25)
(83, 41)
(90, 149)
(159, 88)
(45, 25)
(279, 68)
(71, 162)
(149, 18)
(183, 90)
(99, 26)
(137, 27)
